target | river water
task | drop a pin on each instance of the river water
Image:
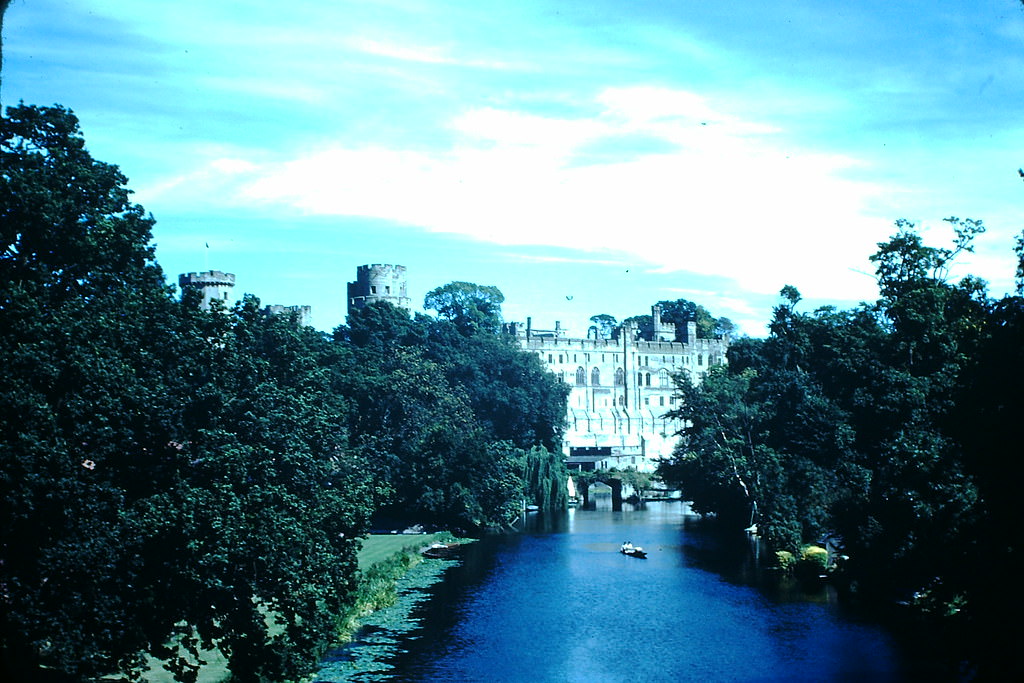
(558, 602)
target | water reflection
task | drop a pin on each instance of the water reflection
(558, 602)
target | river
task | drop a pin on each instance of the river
(557, 602)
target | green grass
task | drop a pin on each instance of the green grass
(379, 547)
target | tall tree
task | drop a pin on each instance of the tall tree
(150, 448)
(606, 325)
(844, 422)
(85, 414)
(471, 307)
(682, 311)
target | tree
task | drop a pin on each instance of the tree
(513, 396)
(471, 307)
(152, 449)
(643, 324)
(85, 412)
(381, 325)
(682, 311)
(271, 501)
(606, 325)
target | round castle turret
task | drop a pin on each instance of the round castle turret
(214, 284)
(378, 282)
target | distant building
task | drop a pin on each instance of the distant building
(621, 388)
(379, 282)
(214, 284)
(304, 314)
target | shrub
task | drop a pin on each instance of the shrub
(784, 560)
(812, 563)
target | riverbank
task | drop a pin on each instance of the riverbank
(384, 562)
(391, 589)
(537, 605)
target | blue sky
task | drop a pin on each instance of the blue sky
(584, 158)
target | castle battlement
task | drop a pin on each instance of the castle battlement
(303, 313)
(207, 278)
(214, 284)
(379, 282)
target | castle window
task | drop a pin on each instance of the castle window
(661, 400)
(581, 377)
(373, 289)
(595, 377)
(387, 289)
(647, 400)
(225, 296)
(639, 379)
(559, 358)
(647, 379)
(622, 400)
(620, 377)
(663, 378)
(700, 359)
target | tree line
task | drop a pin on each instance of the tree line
(892, 430)
(174, 479)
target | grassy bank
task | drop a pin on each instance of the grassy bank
(383, 560)
(380, 547)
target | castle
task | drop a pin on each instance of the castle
(620, 388)
(216, 284)
(379, 282)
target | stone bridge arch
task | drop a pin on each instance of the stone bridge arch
(619, 490)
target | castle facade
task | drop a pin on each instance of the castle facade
(621, 388)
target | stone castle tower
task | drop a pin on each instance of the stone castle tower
(379, 282)
(214, 284)
(304, 314)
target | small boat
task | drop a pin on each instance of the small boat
(532, 508)
(440, 551)
(633, 550)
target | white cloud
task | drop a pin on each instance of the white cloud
(724, 198)
(379, 48)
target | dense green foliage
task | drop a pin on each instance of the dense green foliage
(451, 413)
(892, 429)
(470, 307)
(174, 480)
(679, 312)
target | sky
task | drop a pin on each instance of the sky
(585, 158)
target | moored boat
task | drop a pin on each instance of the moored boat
(440, 551)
